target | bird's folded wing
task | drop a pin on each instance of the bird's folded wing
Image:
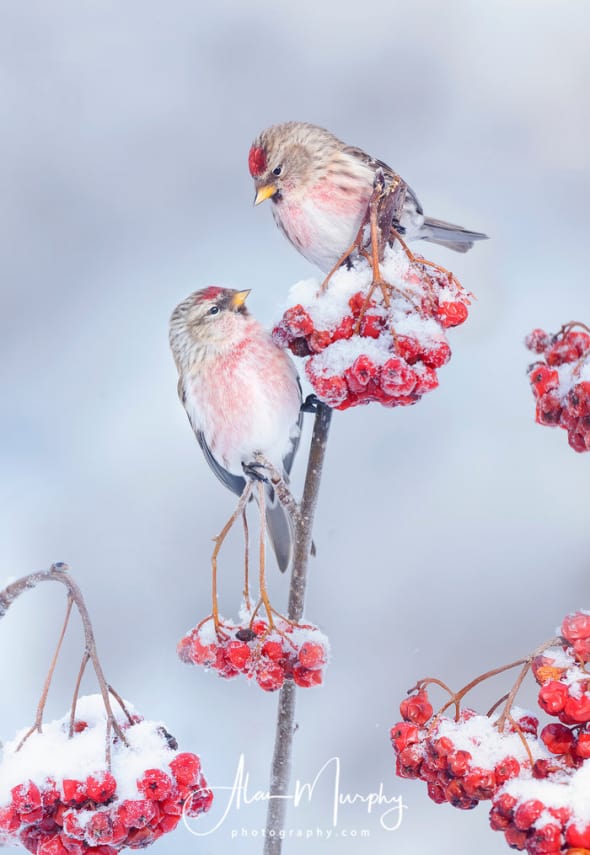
(235, 483)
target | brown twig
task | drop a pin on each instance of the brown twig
(60, 573)
(303, 522)
(38, 724)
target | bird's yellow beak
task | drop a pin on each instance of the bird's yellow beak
(265, 193)
(238, 299)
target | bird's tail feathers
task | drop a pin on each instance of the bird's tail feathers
(449, 235)
(280, 530)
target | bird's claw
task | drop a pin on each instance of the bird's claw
(253, 471)
(310, 405)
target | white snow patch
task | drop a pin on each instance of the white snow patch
(51, 754)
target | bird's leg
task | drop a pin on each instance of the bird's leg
(246, 561)
(356, 244)
(278, 483)
(218, 543)
(418, 260)
(262, 574)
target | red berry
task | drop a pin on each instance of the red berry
(558, 738)
(344, 329)
(100, 788)
(274, 651)
(186, 768)
(545, 840)
(409, 761)
(578, 709)
(416, 708)
(26, 797)
(576, 626)
(506, 769)
(408, 348)
(480, 783)
(52, 846)
(371, 326)
(548, 410)
(361, 373)
(155, 784)
(553, 696)
(199, 802)
(298, 321)
(458, 763)
(238, 653)
(402, 734)
(582, 746)
(436, 355)
(99, 828)
(307, 677)
(538, 340)
(136, 813)
(543, 379)
(270, 676)
(452, 314)
(527, 813)
(515, 838)
(319, 340)
(578, 834)
(9, 820)
(427, 379)
(397, 378)
(312, 655)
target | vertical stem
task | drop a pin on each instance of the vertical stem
(280, 774)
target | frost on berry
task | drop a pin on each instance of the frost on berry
(57, 796)
(266, 655)
(364, 345)
(560, 381)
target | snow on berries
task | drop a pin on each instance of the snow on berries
(365, 343)
(58, 795)
(268, 655)
(538, 781)
(560, 381)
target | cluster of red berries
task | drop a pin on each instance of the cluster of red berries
(87, 815)
(269, 655)
(561, 381)
(538, 785)
(365, 346)
(462, 762)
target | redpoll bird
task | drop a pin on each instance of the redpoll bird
(241, 394)
(321, 187)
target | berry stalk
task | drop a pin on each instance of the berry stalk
(60, 573)
(303, 522)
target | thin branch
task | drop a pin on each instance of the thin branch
(60, 573)
(281, 760)
(38, 724)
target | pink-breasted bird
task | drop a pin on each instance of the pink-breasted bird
(241, 393)
(320, 188)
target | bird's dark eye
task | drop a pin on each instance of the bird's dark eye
(213, 310)
(277, 170)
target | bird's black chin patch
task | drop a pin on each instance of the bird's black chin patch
(276, 197)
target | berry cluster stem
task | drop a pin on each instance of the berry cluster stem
(60, 573)
(285, 729)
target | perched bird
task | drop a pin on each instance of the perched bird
(241, 394)
(320, 188)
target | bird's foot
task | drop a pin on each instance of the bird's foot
(256, 471)
(311, 404)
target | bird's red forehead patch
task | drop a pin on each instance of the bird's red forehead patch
(210, 293)
(256, 161)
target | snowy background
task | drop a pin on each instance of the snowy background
(452, 536)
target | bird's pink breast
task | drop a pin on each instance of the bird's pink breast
(323, 223)
(248, 401)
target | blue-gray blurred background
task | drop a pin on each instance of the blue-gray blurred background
(452, 536)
